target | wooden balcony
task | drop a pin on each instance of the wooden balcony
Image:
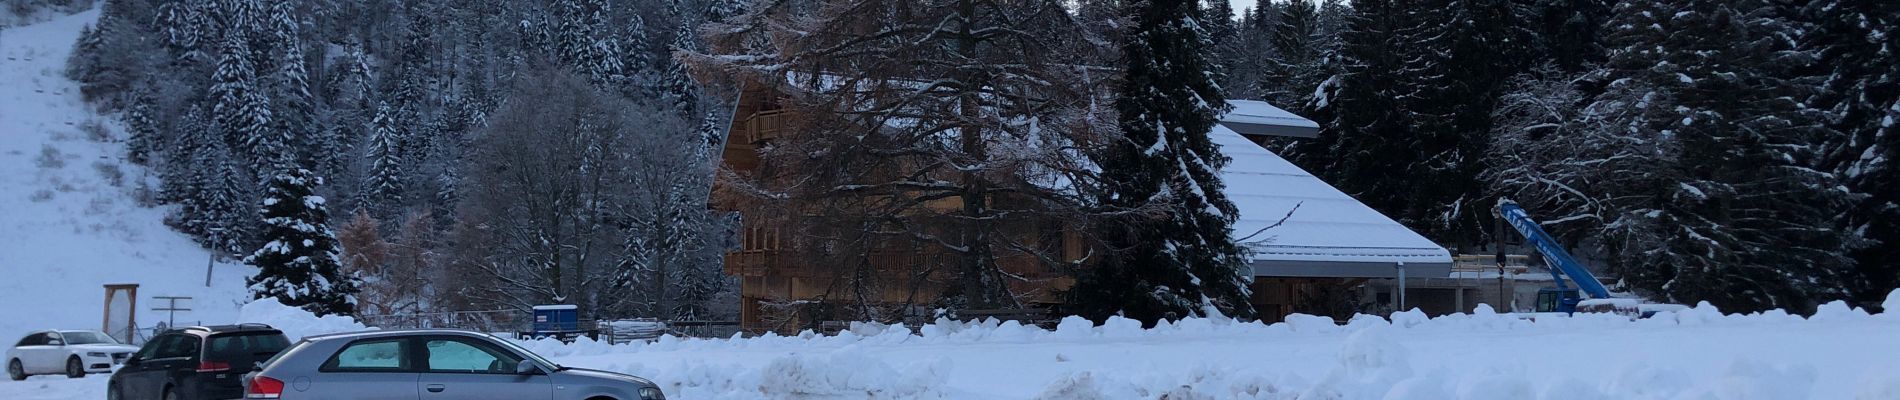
(782, 263)
(764, 126)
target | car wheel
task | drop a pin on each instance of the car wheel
(112, 392)
(169, 394)
(15, 371)
(75, 368)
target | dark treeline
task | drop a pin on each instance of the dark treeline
(1736, 152)
(471, 154)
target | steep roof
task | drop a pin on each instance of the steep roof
(1325, 225)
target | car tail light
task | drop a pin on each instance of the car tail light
(263, 387)
(213, 366)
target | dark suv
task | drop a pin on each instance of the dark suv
(200, 362)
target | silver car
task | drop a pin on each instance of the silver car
(431, 364)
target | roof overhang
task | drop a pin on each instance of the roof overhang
(1267, 268)
(1260, 129)
(1257, 118)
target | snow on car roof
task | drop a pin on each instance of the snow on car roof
(1328, 225)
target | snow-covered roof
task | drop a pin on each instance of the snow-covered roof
(1254, 117)
(1328, 228)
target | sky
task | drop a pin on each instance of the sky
(1242, 5)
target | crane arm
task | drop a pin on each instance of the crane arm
(1555, 255)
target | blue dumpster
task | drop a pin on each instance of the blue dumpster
(553, 320)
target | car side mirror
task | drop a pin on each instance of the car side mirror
(527, 368)
(55, 342)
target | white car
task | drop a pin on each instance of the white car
(71, 353)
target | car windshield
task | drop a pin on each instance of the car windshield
(87, 337)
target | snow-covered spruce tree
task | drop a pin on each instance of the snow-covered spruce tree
(83, 64)
(177, 173)
(1217, 19)
(295, 117)
(1364, 144)
(1290, 77)
(1568, 32)
(185, 181)
(1182, 262)
(1856, 41)
(1718, 199)
(242, 112)
(680, 89)
(180, 27)
(226, 204)
(298, 263)
(142, 135)
(1406, 113)
(382, 188)
(1473, 47)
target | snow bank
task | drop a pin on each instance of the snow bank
(1891, 308)
(1697, 353)
(1376, 359)
(295, 322)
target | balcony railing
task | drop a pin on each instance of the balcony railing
(764, 126)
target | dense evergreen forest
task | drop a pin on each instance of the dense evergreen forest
(499, 154)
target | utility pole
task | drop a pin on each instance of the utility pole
(212, 260)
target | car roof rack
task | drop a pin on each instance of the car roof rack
(215, 328)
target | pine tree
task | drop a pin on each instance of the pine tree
(1218, 20)
(1473, 48)
(141, 131)
(1855, 41)
(721, 10)
(1184, 262)
(295, 118)
(83, 64)
(298, 264)
(1365, 127)
(383, 186)
(225, 209)
(243, 115)
(680, 89)
(1704, 171)
(179, 173)
(180, 25)
(1291, 76)
(1569, 32)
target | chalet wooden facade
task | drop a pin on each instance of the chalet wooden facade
(787, 272)
(1320, 239)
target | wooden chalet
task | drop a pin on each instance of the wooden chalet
(1320, 238)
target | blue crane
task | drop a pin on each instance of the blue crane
(1560, 298)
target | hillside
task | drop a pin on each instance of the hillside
(69, 218)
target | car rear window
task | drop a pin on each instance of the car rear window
(292, 349)
(245, 346)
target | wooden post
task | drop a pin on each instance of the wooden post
(131, 293)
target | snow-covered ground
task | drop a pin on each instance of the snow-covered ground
(68, 221)
(1698, 354)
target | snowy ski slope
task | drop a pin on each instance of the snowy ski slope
(66, 227)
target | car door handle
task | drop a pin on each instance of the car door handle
(437, 388)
